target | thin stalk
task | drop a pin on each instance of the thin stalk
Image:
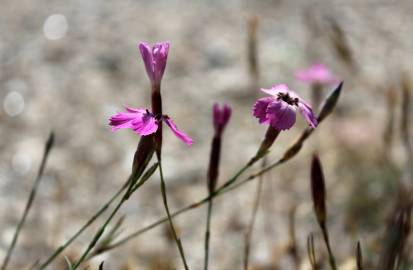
(207, 233)
(141, 158)
(48, 147)
(99, 233)
(165, 202)
(235, 177)
(226, 187)
(212, 178)
(250, 228)
(228, 183)
(81, 230)
(331, 259)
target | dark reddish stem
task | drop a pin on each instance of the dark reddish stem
(214, 163)
(157, 111)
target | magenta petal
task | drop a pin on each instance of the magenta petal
(259, 110)
(140, 120)
(317, 73)
(225, 114)
(185, 138)
(122, 120)
(133, 110)
(160, 55)
(216, 113)
(308, 114)
(125, 119)
(146, 52)
(145, 125)
(275, 89)
(281, 115)
(154, 58)
(220, 116)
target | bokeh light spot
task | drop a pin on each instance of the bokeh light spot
(13, 103)
(55, 27)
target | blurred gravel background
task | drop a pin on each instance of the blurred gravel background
(68, 65)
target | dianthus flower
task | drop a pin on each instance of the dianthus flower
(279, 110)
(316, 74)
(144, 123)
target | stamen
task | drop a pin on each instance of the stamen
(286, 98)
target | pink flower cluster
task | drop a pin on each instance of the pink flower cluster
(278, 110)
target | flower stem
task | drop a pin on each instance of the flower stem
(98, 234)
(84, 227)
(48, 147)
(226, 187)
(250, 228)
(131, 188)
(141, 158)
(165, 202)
(207, 234)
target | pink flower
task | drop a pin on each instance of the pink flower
(144, 123)
(316, 74)
(279, 109)
(220, 117)
(154, 59)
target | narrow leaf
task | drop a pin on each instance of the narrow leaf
(318, 190)
(330, 103)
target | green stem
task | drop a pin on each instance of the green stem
(48, 147)
(165, 202)
(161, 221)
(238, 174)
(250, 228)
(226, 187)
(81, 230)
(207, 234)
(99, 233)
